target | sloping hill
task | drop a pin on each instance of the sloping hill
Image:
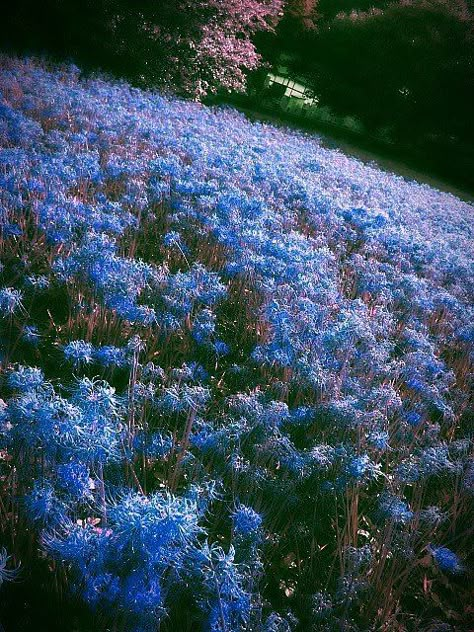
(237, 368)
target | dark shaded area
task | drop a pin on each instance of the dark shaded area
(115, 36)
(32, 605)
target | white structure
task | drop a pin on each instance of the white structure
(293, 96)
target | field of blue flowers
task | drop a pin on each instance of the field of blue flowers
(236, 370)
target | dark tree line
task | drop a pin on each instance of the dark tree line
(192, 47)
(406, 65)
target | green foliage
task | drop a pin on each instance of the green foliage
(407, 65)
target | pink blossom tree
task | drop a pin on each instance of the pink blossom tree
(193, 47)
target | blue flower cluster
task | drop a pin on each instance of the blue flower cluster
(235, 366)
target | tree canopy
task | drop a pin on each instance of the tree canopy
(192, 47)
(405, 64)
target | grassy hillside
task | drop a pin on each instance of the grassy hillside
(236, 371)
